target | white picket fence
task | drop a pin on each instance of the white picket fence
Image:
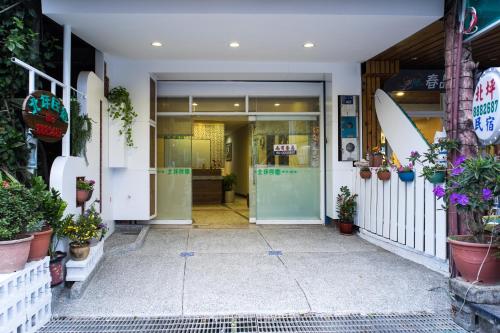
(406, 214)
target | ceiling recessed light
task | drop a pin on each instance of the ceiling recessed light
(414, 58)
(493, 59)
(276, 104)
(157, 44)
(308, 45)
(236, 105)
(234, 44)
(194, 104)
(400, 93)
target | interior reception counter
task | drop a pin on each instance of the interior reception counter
(207, 186)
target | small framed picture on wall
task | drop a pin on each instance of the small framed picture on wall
(229, 151)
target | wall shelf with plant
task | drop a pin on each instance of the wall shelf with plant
(120, 108)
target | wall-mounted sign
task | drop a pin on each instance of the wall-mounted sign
(348, 128)
(45, 115)
(285, 149)
(417, 80)
(485, 110)
(480, 16)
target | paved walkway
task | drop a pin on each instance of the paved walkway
(231, 271)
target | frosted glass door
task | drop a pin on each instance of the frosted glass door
(174, 168)
(287, 169)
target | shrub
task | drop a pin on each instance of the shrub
(346, 205)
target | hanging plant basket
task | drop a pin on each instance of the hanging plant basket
(384, 175)
(406, 176)
(365, 174)
(437, 177)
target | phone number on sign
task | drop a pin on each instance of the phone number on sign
(488, 107)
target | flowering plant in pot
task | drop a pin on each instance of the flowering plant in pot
(376, 157)
(346, 208)
(384, 173)
(433, 161)
(19, 215)
(471, 187)
(365, 172)
(406, 173)
(80, 232)
(84, 189)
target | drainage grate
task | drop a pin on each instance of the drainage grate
(232, 324)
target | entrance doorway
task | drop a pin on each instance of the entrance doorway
(271, 146)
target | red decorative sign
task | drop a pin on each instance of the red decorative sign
(45, 115)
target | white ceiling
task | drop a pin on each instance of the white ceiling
(272, 30)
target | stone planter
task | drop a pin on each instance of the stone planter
(384, 175)
(79, 252)
(14, 254)
(40, 244)
(469, 256)
(229, 196)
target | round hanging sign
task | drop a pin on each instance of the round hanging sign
(45, 115)
(485, 108)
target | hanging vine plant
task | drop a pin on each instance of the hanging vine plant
(81, 130)
(120, 107)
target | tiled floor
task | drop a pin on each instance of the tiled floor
(228, 215)
(232, 272)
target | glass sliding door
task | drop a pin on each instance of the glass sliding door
(174, 168)
(286, 161)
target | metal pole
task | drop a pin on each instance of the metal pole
(67, 86)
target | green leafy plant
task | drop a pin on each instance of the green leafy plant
(13, 147)
(120, 107)
(19, 209)
(85, 185)
(405, 168)
(364, 168)
(229, 181)
(430, 160)
(346, 205)
(81, 130)
(384, 167)
(471, 187)
(84, 228)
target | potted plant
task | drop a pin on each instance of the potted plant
(384, 173)
(84, 189)
(229, 182)
(365, 172)
(80, 232)
(346, 208)
(376, 157)
(102, 230)
(471, 187)
(19, 214)
(120, 108)
(434, 162)
(406, 173)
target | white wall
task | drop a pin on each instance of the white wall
(134, 75)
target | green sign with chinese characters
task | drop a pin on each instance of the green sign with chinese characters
(175, 171)
(480, 16)
(275, 172)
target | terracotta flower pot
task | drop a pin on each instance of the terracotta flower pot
(79, 252)
(82, 196)
(365, 174)
(40, 244)
(56, 268)
(376, 160)
(469, 256)
(345, 228)
(384, 175)
(14, 254)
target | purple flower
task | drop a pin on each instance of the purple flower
(459, 160)
(438, 191)
(459, 199)
(414, 154)
(487, 194)
(457, 171)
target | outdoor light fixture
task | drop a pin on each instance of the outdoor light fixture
(157, 44)
(308, 45)
(400, 93)
(276, 104)
(234, 44)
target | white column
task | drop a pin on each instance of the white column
(67, 85)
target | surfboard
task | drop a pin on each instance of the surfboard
(400, 131)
